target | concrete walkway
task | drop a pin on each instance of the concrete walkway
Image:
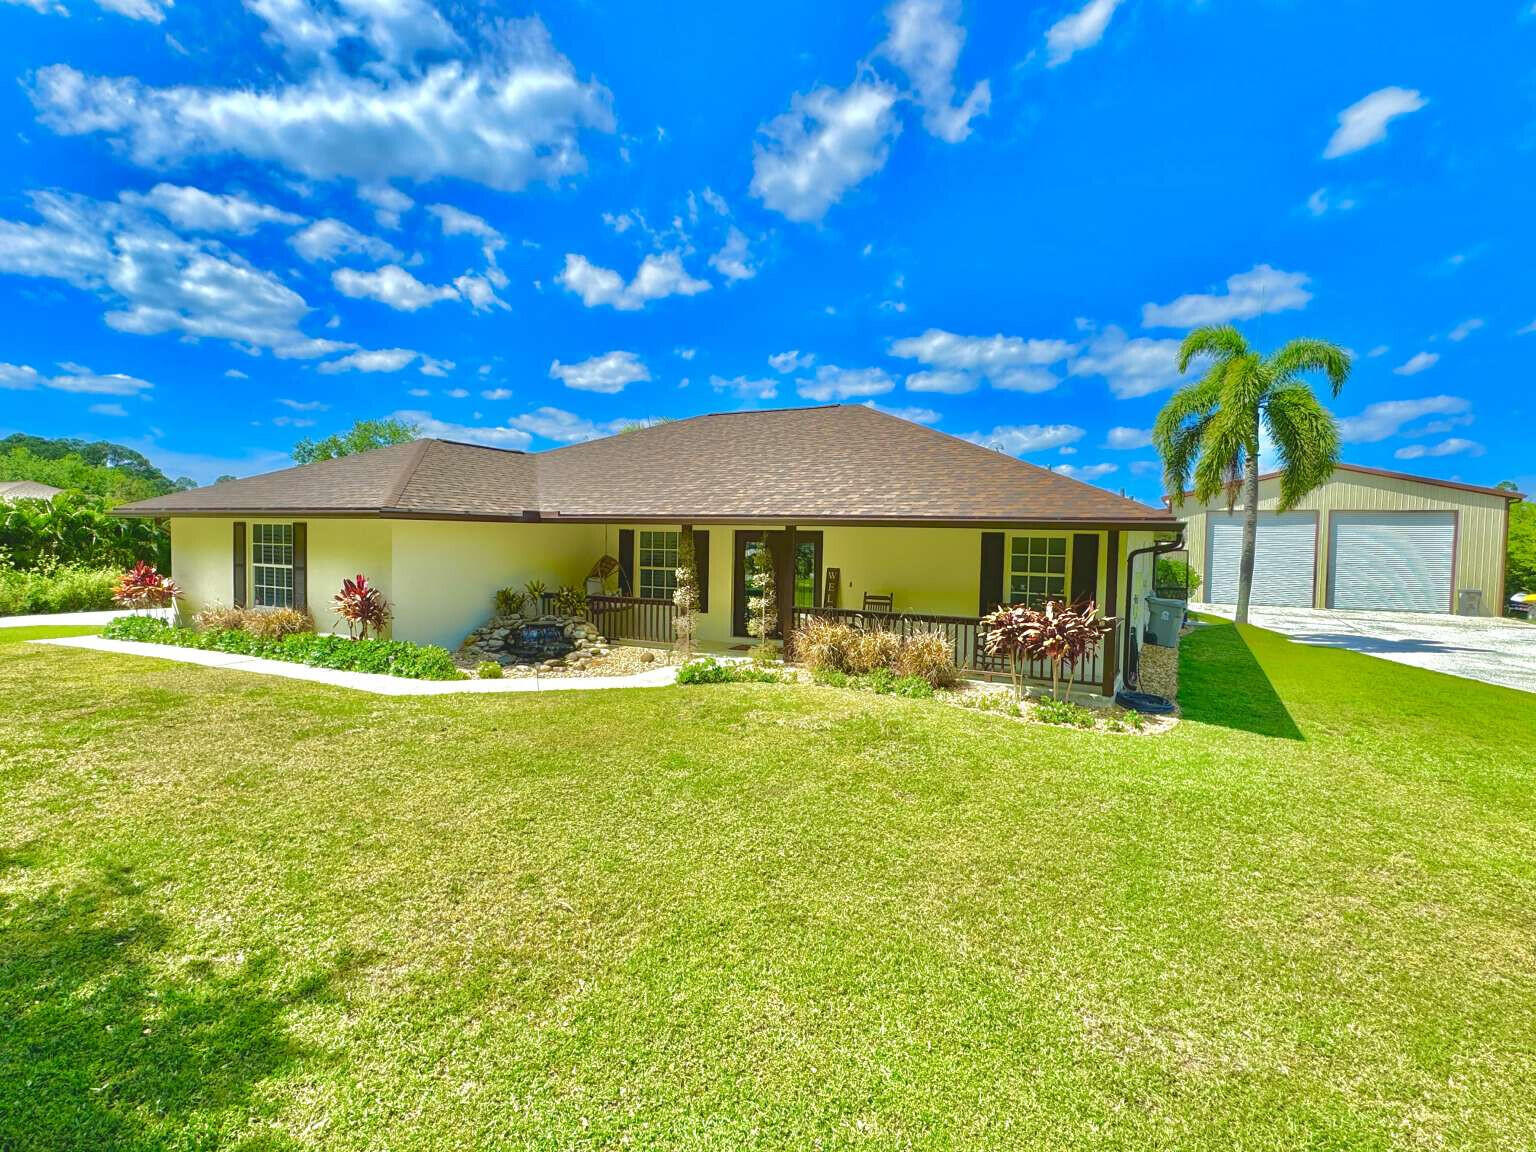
(374, 682)
(70, 619)
(1482, 648)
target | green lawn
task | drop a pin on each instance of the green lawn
(250, 913)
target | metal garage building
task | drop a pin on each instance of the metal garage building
(1367, 539)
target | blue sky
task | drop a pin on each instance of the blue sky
(226, 226)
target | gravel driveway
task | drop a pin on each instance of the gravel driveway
(1477, 648)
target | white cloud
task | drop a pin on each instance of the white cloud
(944, 381)
(389, 203)
(497, 394)
(734, 260)
(495, 436)
(1365, 122)
(1455, 446)
(1257, 292)
(827, 142)
(1378, 351)
(1132, 368)
(1081, 29)
(1144, 467)
(151, 11)
(391, 285)
(73, 378)
(1085, 471)
(236, 374)
(684, 353)
(193, 210)
(1018, 439)
(457, 222)
(791, 361)
(511, 117)
(924, 42)
(1007, 362)
(107, 410)
(155, 280)
(833, 383)
(457, 393)
(746, 388)
(565, 427)
(1418, 362)
(374, 360)
(1528, 330)
(1465, 329)
(1322, 202)
(432, 367)
(292, 422)
(659, 276)
(914, 414)
(1127, 438)
(478, 292)
(304, 405)
(1386, 418)
(608, 373)
(324, 240)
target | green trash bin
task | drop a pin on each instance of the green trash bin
(1164, 619)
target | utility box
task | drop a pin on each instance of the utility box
(1469, 602)
(1165, 617)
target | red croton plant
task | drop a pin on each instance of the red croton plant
(142, 588)
(362, 606)
(1064, 636)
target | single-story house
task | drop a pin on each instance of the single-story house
(1365, 540)
(846, 502)
(14, 490)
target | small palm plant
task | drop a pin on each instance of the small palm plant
(1211, 427)
(1060, 636)
(685, 598)
(763, 610)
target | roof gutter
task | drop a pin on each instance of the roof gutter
(1174, 545)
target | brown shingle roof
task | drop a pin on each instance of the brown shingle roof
(835, 463)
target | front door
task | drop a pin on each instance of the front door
(796, 560)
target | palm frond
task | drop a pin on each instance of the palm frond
(1220, 342)
(1307, 438)
(1179, 429)
(1299, 357)
(1228, 441)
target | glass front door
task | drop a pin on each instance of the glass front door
(796, 568)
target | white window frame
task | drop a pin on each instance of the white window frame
(656, 581)
(276, 590)
(1040, 567)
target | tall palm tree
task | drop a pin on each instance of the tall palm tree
(1211, 427)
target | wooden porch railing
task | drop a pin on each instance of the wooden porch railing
(967, 638)
(632, 618)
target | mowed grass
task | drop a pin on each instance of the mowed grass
(245, 913)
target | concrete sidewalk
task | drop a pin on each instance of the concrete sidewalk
(70, 619)
(374, 682)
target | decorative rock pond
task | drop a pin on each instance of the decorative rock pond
(543, 642)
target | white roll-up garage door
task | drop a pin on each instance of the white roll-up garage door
(1401, 561)
(1284, 563)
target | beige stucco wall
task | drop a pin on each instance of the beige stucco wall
(1480, 524)
(446, 573)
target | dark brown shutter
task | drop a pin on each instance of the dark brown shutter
(1085, 568)
(301, 566)
(1111, 607)
(239, 563)
(991, 572)
(626, 561)
(701, 566)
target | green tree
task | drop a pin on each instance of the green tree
(1211, 428)
(100, 469)
(1520, 561)
(364, 436)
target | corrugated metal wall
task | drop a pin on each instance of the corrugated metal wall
(1479, 536)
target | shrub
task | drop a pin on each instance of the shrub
(1060, 635)
(871, 650)
(142, 587)
(216, 617)
(913, 687)
(880, 680)
(145, 629)
(929, 656)
(53, 589)
(488, 670)
(1050, 710)
(1169, 577)
(831, 677)
(757, 674)
(275, 623)
(570, 601)
(704, 670)
(362, 606)
(822, 644)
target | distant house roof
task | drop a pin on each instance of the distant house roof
(26, 490)
(846, 463)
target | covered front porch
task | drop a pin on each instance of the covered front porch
(900, 578)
